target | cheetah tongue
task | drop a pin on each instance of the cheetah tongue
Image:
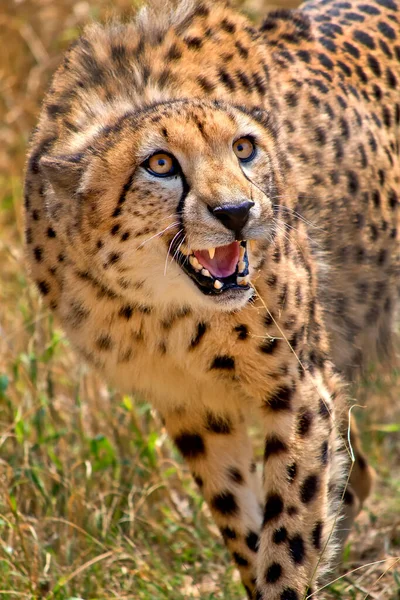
(224, 261)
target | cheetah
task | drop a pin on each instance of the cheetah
(211, 212)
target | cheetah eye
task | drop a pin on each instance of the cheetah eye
(245, 149)
(161, 165)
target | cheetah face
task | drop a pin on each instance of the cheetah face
(214, 166)
(175, 202)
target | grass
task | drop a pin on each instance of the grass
(95, 503)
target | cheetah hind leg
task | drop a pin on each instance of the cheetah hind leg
(218, 451)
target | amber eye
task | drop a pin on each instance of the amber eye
(245, 149)
(161, 165)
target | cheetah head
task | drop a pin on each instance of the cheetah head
(176, 197)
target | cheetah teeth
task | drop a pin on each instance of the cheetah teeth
(218, 284)
(243, 280)
(241, 266)
(211, 252)
(195, 263)
(206, 273)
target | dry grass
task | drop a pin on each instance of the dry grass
(94, 501)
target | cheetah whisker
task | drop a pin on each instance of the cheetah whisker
(159, 234)
(297, 215)
(169, 250)
(178, 248)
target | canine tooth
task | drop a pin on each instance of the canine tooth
(205, 273)
(195, 263)
(218, 284)
(242, 252)
(211, 252)
(241, 266)
(242, 280)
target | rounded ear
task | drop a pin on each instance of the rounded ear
(64, 173)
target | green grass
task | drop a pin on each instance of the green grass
(95, 503)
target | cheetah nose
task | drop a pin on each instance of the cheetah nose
(233, 216)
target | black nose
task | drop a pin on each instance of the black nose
(233, 216)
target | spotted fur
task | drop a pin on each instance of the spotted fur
(317, 89)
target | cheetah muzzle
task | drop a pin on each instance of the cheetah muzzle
(217, 270)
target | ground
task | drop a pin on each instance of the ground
(94, 500)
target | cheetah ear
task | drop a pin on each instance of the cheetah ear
(64, 173)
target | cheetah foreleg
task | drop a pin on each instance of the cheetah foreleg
(219, 453)
(301, 459)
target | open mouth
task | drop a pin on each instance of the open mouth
(217, 270)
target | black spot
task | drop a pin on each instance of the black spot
(190, 445)
(228, 533)
(280, 535)
(292, 472)
(393, 199)
(350, 49)
(273, 573)
(104, 342)
(320, 136)
(226, 80)
(368, 9)
(324, 453)
(387, 30)
(194, 43)
(225, 503)
(228, 26)
(390, 4)
(364, 38)
(292, 99)
(316, 535)
(280, 400)
(273, 446)
(374, 65)
(289, 594)
(292, 510)
(223, 362)
(361, 74)
(273, 508)
(325, 61)
(240, 560)
(309, 488)
(115, 229)
(348, 497)
(201, 329)
(269, 346)
(253, 467)
(323, 409)
(113, 258)
(352, 182)
(235, 475)
(126, 312)
(353, 16)
(252, 541)
(296, 548)
(218, 424)
(51, 233)
(44, 287)
(242, 331)
(198, 480)
(304, 55)
(206, 85)
(328, 44)
(391, 79)
(38, 253)
(304, 422)
(174, 53)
